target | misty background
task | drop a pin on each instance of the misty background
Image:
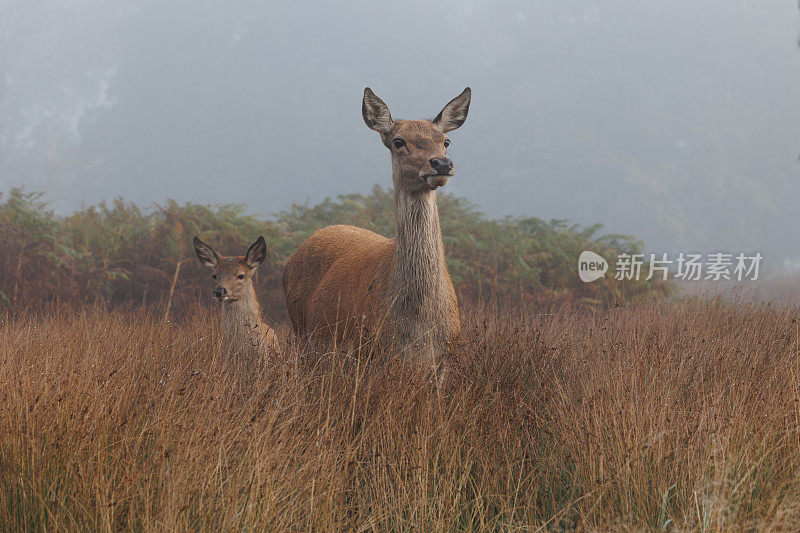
(676, 122)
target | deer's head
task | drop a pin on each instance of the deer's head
(232, 275)
(418, 147)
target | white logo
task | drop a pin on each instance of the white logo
(591, 266)
(688, 267)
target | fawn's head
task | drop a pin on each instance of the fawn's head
(233, 276)
(418, 147)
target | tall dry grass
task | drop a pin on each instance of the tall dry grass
(666, 416)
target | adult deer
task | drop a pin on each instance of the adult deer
(242, 325)
(345, 281)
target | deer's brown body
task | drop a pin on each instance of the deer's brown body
(345, 282)
(243, 327)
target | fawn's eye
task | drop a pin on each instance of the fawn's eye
(446, 143)
(213, 276)
(240, 276)
(398, 143)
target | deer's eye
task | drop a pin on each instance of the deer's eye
(213, 276)
(446, 143)
(240, 276)
(398, 143)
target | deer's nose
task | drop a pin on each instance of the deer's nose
(442, 165)
(219, 292)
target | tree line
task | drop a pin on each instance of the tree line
(121, 254)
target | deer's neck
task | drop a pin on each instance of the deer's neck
(420, 277)
(241, 320)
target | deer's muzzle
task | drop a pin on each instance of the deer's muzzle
(437, 180)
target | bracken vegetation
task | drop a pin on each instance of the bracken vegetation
(656, 416)
(121, 254)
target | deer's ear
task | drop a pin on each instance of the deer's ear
(257, 253)
(206, 254)
(376, 113)
(454, 113)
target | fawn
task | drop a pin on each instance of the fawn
(242, 324)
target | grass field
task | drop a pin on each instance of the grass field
(673, 416)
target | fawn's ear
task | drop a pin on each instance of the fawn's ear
(454, 113)
(376, 113)
(257, 253)
(206, 254)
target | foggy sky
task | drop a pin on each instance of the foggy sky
(676, 122)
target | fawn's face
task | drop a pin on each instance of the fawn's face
(233, 276)
(418, 147)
